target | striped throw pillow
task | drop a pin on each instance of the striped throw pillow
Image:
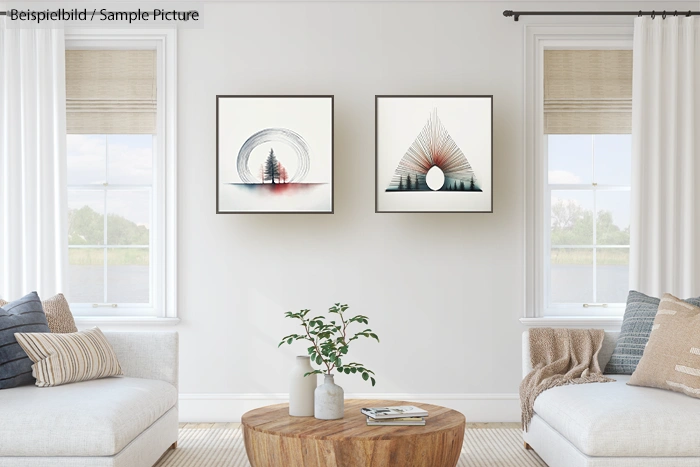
(23, 315)
(634, 335)
(58, 313)
(671, 359)
(68, 358)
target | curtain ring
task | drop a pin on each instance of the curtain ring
(688, 15)
(675, 13)
(664, 15)
(653, 14)
(640, 14)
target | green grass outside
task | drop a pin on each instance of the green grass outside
(581, 256)
(115, 256)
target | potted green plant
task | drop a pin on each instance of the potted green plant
(330, 342)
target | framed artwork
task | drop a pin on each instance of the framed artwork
(274, 154)
(434, 153)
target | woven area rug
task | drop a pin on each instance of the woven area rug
(219, 447)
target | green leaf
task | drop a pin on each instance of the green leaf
(365, 376)
(289, 341)
(373, 381)
(347, 370)
(354, 370)
(319, 360)
(337, 361)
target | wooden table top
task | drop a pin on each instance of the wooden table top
(275, 419)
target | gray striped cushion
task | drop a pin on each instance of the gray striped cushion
(71, 357)
(634, 335)
(23, 315)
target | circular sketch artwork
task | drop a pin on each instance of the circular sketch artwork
(280, 135)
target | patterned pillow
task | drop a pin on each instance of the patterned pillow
(23, 315)
(672, 358)
(68, 358)
(634, 335)
(57, 312)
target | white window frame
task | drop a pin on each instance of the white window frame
(163, 309)
(539, 38)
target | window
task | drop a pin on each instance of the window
(110, 214)
(588, 198)
(120, 173)
(578, 166)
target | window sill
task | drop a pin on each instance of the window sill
(609, 323)
(83, 321)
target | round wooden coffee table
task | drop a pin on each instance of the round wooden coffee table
(274, 439)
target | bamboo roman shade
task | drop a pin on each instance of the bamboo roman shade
(111, 91)
(587, 91)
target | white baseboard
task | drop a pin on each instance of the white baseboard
(230, 407)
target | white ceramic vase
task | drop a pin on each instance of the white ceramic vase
(301, 389)
(329, 401)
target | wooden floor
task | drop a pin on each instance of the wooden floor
(205, 426)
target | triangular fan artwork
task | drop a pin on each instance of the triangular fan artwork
(434, 154)
(434, 162)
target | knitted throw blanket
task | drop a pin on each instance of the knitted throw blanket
(560, 357)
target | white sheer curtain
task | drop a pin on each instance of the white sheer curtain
(33, 238)
(665, 230)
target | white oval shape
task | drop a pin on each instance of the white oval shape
(435, 178)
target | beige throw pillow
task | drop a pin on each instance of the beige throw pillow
(58, 314)
(671, 358)
(68, 358)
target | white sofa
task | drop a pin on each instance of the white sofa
(613, 424)
(125, 421)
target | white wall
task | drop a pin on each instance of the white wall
(443, 291)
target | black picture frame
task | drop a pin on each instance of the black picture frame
(219, 97)
(376, 151)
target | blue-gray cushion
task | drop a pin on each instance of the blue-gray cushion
(23, 315)
(636, 326)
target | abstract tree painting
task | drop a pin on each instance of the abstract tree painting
(433, 154)
(434, 162)
(274, 154)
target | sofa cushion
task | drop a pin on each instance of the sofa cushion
(91, 418)
(22, 315)
(58, 313)
(671, 359)
(636, 327)
(614, 419)
(69, 357)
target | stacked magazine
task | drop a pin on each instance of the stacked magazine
(402, 415)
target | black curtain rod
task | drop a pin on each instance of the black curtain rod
(517, 14)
